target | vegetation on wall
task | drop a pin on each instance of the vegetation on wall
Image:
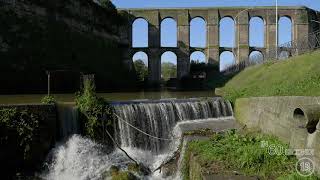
(98, 115)
(22, 125)
(48, 99)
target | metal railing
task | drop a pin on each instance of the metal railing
(303, 45)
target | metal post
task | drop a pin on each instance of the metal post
(48, 75)
(277, 29)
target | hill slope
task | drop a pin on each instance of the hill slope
(298, 76)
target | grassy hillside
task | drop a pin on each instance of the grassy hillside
(298, 76)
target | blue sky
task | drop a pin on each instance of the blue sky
(197, 31)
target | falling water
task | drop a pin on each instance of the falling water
(158, 118)
(81, 158)
(68, 120)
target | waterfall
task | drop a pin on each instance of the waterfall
(158, 118)
(80, 158)
(68, 116)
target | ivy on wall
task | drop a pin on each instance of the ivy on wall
(21, 124)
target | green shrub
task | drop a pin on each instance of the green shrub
(48, 100)
(94, 109)
(21, 124)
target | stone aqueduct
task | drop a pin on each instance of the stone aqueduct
(303, 22)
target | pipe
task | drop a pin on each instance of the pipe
(307, 117)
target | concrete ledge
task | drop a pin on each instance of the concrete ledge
(278, 116)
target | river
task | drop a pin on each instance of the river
(118, 96)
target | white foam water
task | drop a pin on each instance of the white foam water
(80, 158)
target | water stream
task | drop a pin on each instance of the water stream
(81, 158)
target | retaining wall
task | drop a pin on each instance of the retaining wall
(41, 144)
(289, 118)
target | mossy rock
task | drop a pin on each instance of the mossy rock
(140, 169)
(133, 167)
(124, 175)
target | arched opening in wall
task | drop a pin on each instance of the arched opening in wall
(256, 57)
(298, 113)
(168, 66)
(307, 118)
(168, 32)
(198, 32)
(256, 32)
(198, 65)
(227, 32)
(140, 62)
(226, 59)
(284, 55)
(284, 32)
(140, 33)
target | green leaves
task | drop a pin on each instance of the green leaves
(48, 100)
(141, 69)
(23, 123)
(94, 109)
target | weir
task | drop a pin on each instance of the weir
(148, 130)
(158, 118)
(68, 120)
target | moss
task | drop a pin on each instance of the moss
(200, 132)
(123, 175)
(243, 46)
(133, 167)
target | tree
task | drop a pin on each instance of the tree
(107, 4)
(168, 70)
(141, 69)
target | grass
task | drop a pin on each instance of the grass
(298, 76)
(241, 152)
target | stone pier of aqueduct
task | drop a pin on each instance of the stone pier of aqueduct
(302, 19)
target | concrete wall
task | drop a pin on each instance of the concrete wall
(300, 27)
(275, 116)
(41, 143)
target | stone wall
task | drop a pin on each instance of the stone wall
(289, 118)
(41, 142)
(300, 17)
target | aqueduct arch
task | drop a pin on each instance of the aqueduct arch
(301, 18)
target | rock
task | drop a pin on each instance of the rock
(124, 175)
(144, 170)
